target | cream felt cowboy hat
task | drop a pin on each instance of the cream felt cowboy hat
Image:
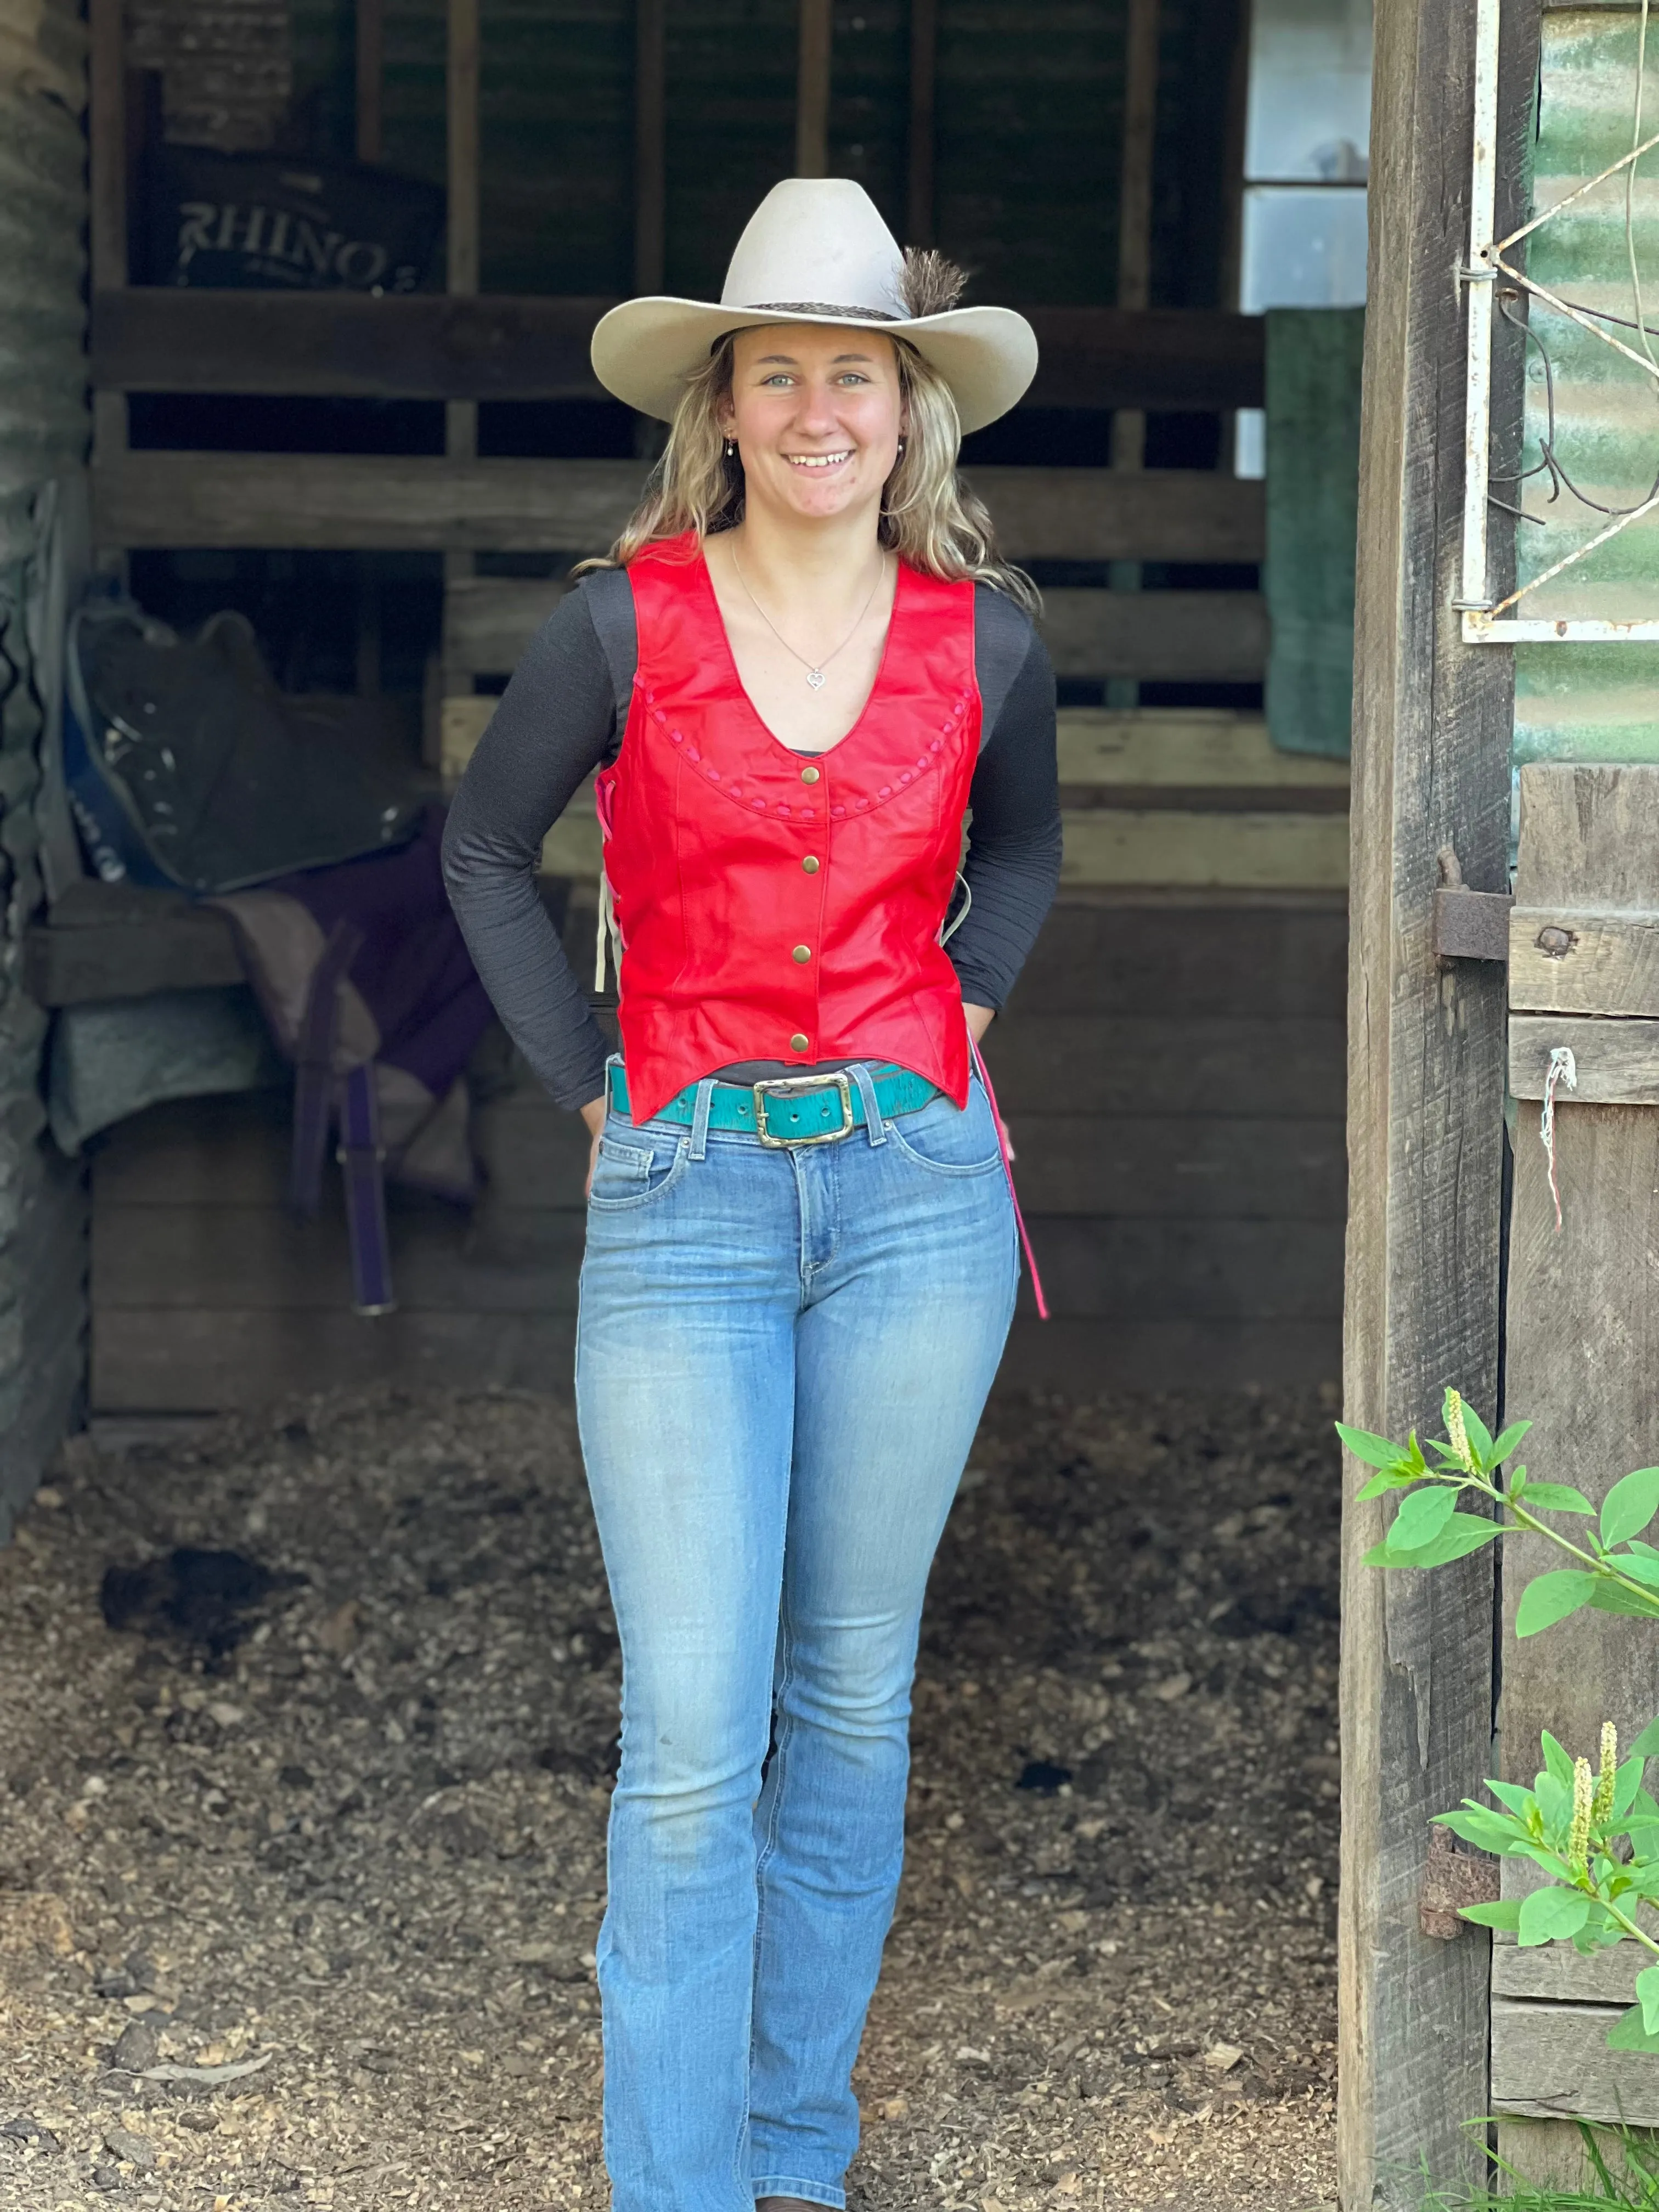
(816, 251)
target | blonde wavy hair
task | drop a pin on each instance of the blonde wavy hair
(928, 516)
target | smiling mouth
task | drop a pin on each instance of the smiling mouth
(818, 461)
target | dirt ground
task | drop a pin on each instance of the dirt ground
(307, 1918)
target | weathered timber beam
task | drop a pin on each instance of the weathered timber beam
(377, 501)
(427, 345)
(1213, 636)
(1552, 2062)
(1177, 756)
(506, 346)
(1187, 747)
(812, 67)
(1173, 848)
(1159, 847)
(1616, 1063)
(1100, 514)
(1198, 637)
(489, 620)
(1555, 1973)
(365, 502)
(1569, 960)
(1166, 843)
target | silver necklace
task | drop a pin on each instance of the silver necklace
(814, 675)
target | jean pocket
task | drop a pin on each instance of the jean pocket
(628, 1174)
(950, 1140)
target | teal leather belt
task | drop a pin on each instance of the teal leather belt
(790, 1109)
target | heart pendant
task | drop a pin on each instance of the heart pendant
(817, 678)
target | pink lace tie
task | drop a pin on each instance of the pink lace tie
(1007, 1151)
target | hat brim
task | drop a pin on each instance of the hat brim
(644, 350)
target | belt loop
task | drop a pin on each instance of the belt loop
(613, 1067)
(700, 1118)
(875, 1127)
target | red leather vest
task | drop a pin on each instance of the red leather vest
(773, 906)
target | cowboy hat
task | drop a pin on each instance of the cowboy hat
(816, 251)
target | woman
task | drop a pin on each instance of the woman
(802, 665)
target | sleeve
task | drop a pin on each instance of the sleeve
(1012, 867)
(558, 719)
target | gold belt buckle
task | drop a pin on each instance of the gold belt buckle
(785, 1086)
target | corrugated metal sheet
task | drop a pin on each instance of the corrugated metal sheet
(1584, 701)
(42, 212)
(43, 432)
(43, 1207)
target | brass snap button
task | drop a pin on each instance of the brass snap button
(810, 774)
(797, 1043)
(811, 864)
(802, 952)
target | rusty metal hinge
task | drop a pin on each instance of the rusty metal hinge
(1469, 924)
(1452, 1878)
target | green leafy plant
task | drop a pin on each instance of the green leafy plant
(1597, 1838)
(1615, 1572)
(1593, 1831)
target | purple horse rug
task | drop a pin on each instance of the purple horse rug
(369, 990)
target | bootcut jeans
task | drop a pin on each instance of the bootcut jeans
(782, 1358)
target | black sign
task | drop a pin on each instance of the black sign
(265, 222)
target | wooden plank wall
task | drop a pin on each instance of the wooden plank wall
(1173, 1073)
(1582, 1343)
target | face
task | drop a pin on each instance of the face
(817, 414)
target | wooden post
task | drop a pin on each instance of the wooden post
(924, 80)
(108, 220)
(370, 72)
(1134, 261)
(461, 107)
(371, 148)
(650, 152)
(812, 90)
(1232, 221)
(461, 110)
(1134, 212)
(1431, 737)
(1232, 163)
(460, 415)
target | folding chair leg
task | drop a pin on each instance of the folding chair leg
(362, 1163)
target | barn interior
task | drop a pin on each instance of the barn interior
(392, 487)
(1130, 1659)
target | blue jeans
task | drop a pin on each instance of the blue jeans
(782, 1358)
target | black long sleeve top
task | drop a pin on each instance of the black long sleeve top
(562, 716)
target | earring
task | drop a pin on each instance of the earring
(730, 447)
(902, 444)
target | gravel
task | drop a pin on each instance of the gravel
(301, 1865)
